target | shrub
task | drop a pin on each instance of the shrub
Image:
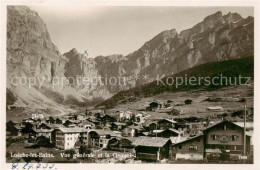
(188, 101)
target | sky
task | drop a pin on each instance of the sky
(107, 30)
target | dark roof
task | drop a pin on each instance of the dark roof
(131, 139)
(54, 126)
(150, 141)
(211, 126)
(103, 132)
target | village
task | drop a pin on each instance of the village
(149, 134)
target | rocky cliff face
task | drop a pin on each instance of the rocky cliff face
(216, 38)
(30, 53)
(31, 56)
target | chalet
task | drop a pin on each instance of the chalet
(153, 106)
(125, 115)
(228, 137)
(50, 126)
(71, 122)
(117, 126)
(107, 119)
(187, 149)
(60, 120)
(121, 144)
(66, 138)
(99, 138)
(167, 133)
(152, 148)
(162, 124)
(35, 133)
(94, 120)
(51, 120)
(29, 126)
(166, 123)
(113, 144)
(14, 128)
(86, 125)
(131, 131)
(182, 125)
(36, 116)
(139, 117)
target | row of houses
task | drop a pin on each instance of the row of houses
(221, 141)
(154, 139)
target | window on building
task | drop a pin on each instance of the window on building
(235, 147)
(213, 137)
(224, 138)
(180, 147)
(193, 147)
(68, 138)
(234, 137)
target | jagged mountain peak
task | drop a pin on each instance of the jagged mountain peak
(74, 50)
(216, 16)
(72, 53)
(232, 17)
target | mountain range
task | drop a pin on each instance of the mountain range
(31, 53)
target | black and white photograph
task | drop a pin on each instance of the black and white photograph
(96, 84)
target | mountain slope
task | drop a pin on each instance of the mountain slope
(243, 67)
(218, 37)
(31, 54)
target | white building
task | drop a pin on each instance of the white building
(125, 115)
(66, 138)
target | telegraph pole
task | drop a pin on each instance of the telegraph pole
(156, 128)
(245, 131)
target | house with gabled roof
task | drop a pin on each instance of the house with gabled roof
(228, 137)
(35, 133)
(187, 148)
(117, 126)
(121, 144)
(152, 148)
(99, 137)
(14, 128)
(66, 138)
(50, 126)
(131, 131)
(86, 124)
